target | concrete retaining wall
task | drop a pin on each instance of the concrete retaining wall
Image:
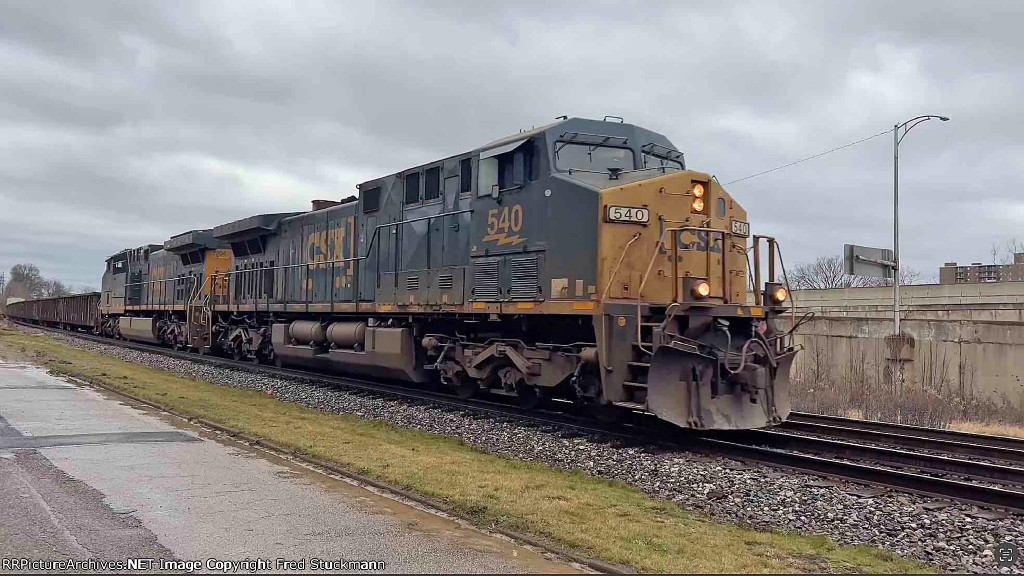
(968, 337)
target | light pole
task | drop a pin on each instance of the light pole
(899, 131)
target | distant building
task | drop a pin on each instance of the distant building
(952, 273)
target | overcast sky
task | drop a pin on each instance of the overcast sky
(123, 123)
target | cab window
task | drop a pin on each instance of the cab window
(569, 156)
(655, 161)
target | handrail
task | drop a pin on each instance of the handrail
(366, 256)
(193, 296)
(615, 272)
(604, 295)
(190, 277)
(352, 258)
(675, 279)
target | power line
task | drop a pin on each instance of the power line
(809, 158)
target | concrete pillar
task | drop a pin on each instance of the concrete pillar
(899, 360)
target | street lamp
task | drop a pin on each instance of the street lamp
(897, 137)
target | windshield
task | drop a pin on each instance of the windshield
(655, 161)
(570, 156)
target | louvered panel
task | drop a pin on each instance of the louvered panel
(445, 282)
(412, 283)
(524, 278)
(485, 280)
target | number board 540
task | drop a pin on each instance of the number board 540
(628, 214)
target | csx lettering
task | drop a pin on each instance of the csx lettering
(700, 243)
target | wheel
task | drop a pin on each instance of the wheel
(605, 413)
(527, 396)
(466, 387)
(278, 362)
(236, 352)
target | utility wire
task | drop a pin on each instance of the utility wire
(809, 158)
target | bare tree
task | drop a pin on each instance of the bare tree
(54, 288)
(829, 273)
(825, 273)
(1003, 253)
(908, 276)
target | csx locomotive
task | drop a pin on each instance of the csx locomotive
(581, 260)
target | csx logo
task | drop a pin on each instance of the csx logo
(504, 224)
(701, 243)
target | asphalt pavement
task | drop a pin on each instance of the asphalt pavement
(85, 476)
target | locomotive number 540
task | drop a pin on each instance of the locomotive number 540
(503, 225)
(505, 220)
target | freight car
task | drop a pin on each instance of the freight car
(581, 260)
(75, 312)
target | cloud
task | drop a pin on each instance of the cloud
(120, 119)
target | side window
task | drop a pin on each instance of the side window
(371, 200)
(412, 188)
(506, 165)
(466, 175)
(515, 168)
(254, 245)
(506, 168)
(432, 183)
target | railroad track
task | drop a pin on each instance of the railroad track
(906, 436)
(991, 485)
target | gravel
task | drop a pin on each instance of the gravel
(952, 536)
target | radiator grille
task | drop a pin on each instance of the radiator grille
(485, 280)
(524, 278)
(444, 282)
(412, 282)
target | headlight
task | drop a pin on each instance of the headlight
(702, 290)
(698, 190)
(780, 294)
(775, 293)
(697, 205)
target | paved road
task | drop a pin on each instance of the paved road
(83, 475)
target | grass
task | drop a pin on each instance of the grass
(994, 429)
(598, 518)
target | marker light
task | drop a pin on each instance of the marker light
(780, 294)
(702, 290)
(697, 205)
(698, 190)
